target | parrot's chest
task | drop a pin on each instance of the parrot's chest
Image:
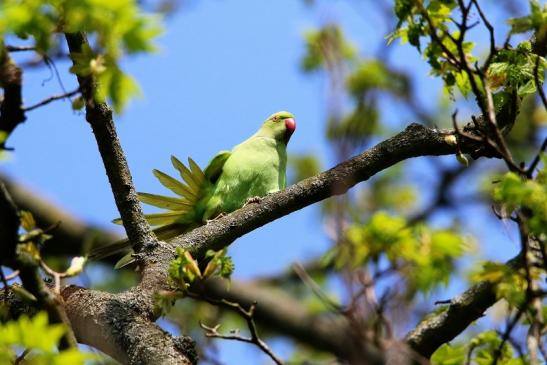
(253, 169)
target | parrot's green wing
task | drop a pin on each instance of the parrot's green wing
(214, 169)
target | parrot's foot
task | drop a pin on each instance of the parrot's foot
(217, 217)
(252, 200)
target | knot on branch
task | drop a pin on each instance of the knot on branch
(187, 346)
(416, 128)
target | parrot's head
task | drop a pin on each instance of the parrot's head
(280, 125)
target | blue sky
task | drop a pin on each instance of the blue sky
(222, 68)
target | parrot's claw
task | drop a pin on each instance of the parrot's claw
(216, 218)
(252, 200)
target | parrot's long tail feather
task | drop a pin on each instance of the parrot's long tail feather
(163, 233)
(180, 216)
(100, 253)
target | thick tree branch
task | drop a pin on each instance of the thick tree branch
(463, 310)
(9, 228)
(11, 108)
(416, 140)
(126, 332)
(113, 324)
(99, 116)
(72, 237)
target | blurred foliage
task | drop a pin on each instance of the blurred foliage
(116, 27)
(511, 284)
(529, 196)
(304, 166)
(40, 339)
(479, 350)
(325, 48)
(376, 75)
(423, 257)
(535, 21)
(388, 191)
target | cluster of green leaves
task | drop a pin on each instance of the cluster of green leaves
(117, 27)
(511, 69)
(424, 257)
(528, 195)
(514, 70)
(480, 350)
(533, 22)
(32, 235)
(185, 269)
(388, 191)
(304, 166)
(41, 340)
(433, 19)
(510, 284)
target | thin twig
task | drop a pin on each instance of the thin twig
(248, 315)
(306, 279)
(510, 326)
(470, 355)
(19, 48)
(21, 357)
(13, 275)
(445, 301)
(516, 346)
(535, 161)
(539, 86)
(490, 28)
(50, 99)
(498, 137)
(55, 275)
(434, 36)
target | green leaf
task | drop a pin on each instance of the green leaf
(27, 220)
(184, 269)
(41, 339)
(449, 355)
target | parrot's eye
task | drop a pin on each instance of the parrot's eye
(275, 118)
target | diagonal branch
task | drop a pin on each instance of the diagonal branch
(416, 140)
(463, 310)
(248, 315)
(113, 324)
(52, 99)
(99, 116)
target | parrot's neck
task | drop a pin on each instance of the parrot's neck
(267, 133)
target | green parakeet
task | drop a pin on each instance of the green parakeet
(253, 168)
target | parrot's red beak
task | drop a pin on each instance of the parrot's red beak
(290, 127)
